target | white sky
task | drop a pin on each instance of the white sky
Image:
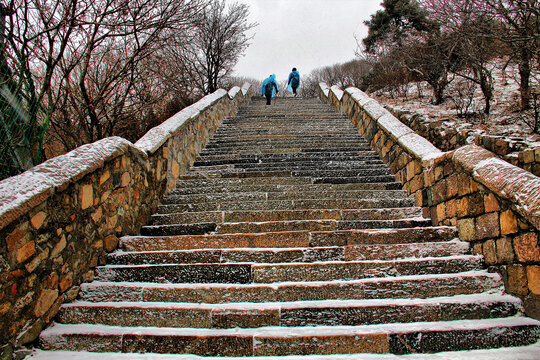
(306, 34)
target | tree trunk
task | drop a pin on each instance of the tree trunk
(524, 77)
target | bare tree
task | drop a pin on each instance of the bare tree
(88, 62)
(471, 27)
(522, 34)
(218, 42)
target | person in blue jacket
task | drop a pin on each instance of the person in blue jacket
(294, 81)
(267, 88)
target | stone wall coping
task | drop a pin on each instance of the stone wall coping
(415, 144)
(393, 126)
(324, 88)
(20, 193)
(361, 97)
(419, 147)
(337, 92)
(234, 91)
(157, 136)
(519, 186)
(245, 88)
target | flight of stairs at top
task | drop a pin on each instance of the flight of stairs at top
(289, 236)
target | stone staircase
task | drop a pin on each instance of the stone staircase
(289, 236)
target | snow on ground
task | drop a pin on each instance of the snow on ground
(504, 120)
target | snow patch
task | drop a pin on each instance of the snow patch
(337, 92)
(245, 88)
(22, 192)
(157, 136)
(234, 91)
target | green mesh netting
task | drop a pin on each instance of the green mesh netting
(22, 123)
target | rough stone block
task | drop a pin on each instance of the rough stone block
(26, 251)
(476, 205)
(490, 203)
(441, 212)
(45, 301)
(38, 219)
(451, 208)
(452, 186)
(526, 247)
(487, 226)
(439, 192)
(466, 229)
(110, 243)
(505, 252)
(533, 279)
(490, 253)
(463, 207)
(225, 319)
(464, 187)
(528, 156)
(517, 280)
(86, 196)
(329, 344)
(17, 237)
(508, 223)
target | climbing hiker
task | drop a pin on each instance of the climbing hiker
(294, 81)
(267, 88)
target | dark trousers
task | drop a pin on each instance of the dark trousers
(268, 99)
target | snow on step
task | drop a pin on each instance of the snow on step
(283, 255)
(244, 273)
(300, 313)
(290, 237)
(397, 338)
(529, 352)
(418, 286)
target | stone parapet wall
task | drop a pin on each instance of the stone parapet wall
(59, 219)
(494, 204)
(447, 138)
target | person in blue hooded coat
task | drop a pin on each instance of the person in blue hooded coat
(294, 81)
(267, 88)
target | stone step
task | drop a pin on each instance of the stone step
(401, 338)
(294, 162)
(297, 156)
(290, 239)
(529, 352)
(398, 287)
(289, 314)
(279, 226)
(301, 204)
(292, 148)
(283, 195)
(210, 186)
(323, 176)
(357, 167)
(241, 140)
(287, 255)
(247, 273)
(235, 137)
(284, 215)
(253, 181)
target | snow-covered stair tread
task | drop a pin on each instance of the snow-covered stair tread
(290, 239)
(529, 352)
(397, 338)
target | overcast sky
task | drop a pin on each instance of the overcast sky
(306, 34)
